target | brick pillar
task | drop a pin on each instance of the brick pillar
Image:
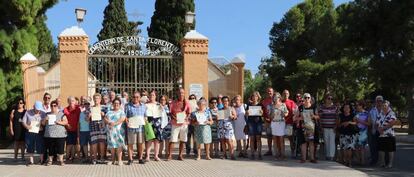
(194, 48)
(239, 63)
(73, 49)
(28, 64)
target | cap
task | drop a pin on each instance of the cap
(379, 98)
(38, 105)
(306, 95)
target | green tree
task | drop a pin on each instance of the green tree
(19, 34)
(115, 23)
(168, 20)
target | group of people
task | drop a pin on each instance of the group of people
(89, 128)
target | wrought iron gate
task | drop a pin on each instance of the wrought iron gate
(134, 73)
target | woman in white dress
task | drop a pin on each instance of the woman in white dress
(277, 112)
(239, 124)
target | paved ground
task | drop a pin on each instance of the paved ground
(403, 163)
(189, 167)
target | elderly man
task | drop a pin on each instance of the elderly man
(373, 135)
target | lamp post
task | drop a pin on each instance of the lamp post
(80, 15)
(189, 19)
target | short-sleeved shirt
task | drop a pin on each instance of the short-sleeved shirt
(277, 114)
(30, 116)
(254, 118)
(132, 110)
(384, 120)
(73, 118)
(56, 131)
(83, 124)
(47, 108)
(290, 105)
(114, 116)
(348, 130)
(374, 115)
(328, 115)
(362, 116)
(306, 111)
(265, 103)
(178, 106)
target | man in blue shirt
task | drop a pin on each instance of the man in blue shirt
(135, 110)
(373, 133)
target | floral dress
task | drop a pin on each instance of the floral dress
(348, 137)
(116, 134)
(225, 127)
(202, 132)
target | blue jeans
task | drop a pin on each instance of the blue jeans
(373, 147)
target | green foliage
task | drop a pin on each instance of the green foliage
(355, 51)
(115, 23)
(168, 20)
(22, 30)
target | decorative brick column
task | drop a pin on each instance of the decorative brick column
(28, 64)
(194, 48)
(239, 63)
(73, 49)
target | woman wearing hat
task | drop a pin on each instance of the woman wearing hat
(33, 138)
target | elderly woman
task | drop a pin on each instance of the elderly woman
(305, 119)
(201, 119)
(155, 119)
(386, 140)
(277, 112)
(348, 133)
(363, 122)
(255, 124)
(34, 139)
(55, 133)
(239, 124)
(214, 134)
(116, 133)
(225, 128)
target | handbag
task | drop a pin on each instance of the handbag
(149, 131)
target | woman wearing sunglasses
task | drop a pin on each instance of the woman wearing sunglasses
(16, 128)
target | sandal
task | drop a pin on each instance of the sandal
(49, 163)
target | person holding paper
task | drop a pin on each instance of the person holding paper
(34, 140)
(201, 119)
(254, 111)
(116, 133)
(305, 117)
(97, 130)
(166, 130)
(135, 112)
(239, 124)
(154, 111)
(55, 133)
(277, 112)
(225, 128)
(180, 110)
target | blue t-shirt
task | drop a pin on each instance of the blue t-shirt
(83, 124)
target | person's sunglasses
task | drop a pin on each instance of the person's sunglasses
(21, 103)
(329, 98)
(53, 105)
(136, 97)
(48, 98)
(307, 97)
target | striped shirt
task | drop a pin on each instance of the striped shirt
(328, 116)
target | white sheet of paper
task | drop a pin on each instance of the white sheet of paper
(52, 119)
(150, 110)
(35, 126)
(136, 121)
(221, 115)
(181, 117)
(156, 112)
(255, 111)
(96, 114)
(201, 118)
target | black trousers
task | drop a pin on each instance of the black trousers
(55, 146)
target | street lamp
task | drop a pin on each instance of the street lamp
(80, 14)
(189, 19)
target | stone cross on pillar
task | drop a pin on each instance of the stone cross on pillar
(73, 49)
(194, 48)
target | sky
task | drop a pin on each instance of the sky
(234, 27)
